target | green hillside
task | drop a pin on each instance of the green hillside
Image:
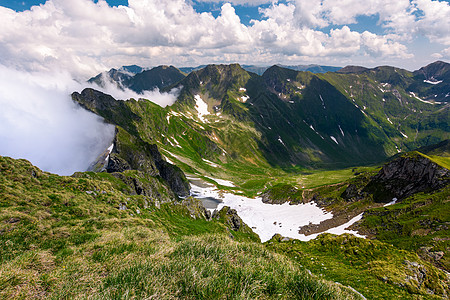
(90, 234)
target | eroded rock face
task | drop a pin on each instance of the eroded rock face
(231, 217)
(406, 176)
(196, 208)
(129, 151)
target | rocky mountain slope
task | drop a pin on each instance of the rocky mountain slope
(137, 79)
(132, 231)
(287, 118)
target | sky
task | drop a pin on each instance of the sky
(48, 49)
(85, 37)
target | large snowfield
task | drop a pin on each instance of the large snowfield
(267, 220)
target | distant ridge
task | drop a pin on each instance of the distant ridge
(352, 69)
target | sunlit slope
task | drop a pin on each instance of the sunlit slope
(284, 119)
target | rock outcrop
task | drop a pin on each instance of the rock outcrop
(405, 176)
(196, 208)
(129, 151)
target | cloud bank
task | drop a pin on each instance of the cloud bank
(87, 38)
(39, 122)
(110, 87)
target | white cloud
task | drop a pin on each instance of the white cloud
(86, 37)
(434, 23)
(40, 122)
(239, 2)
(281, 33)
(382, 46)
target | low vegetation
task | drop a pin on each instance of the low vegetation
(71, 237)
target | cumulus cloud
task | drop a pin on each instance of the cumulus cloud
(87, 37)
(40, 122)
(287, 32)
(239, 2)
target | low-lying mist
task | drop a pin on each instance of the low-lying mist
(110, 87)
(40, 122)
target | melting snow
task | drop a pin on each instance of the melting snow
(310, 126)
(201, 107)
(421, 100)
(281, 141)
(176, 142)
(110, 148)
(269, 219)
(334, 139)
(432, 82)
(210, 163)
(392, 202)
(244, 98)
(168, 160)
(171, 154)
(323, 103)
(342, 132)
(222, 182)
(172, 113)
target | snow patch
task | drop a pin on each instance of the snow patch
(421, 100)
(404, 135)
(172, 113)
(281, 141)
(342, 132)
(394, 200)
(269, 219)
(342, 229)
(110, 148)
(177, 144)
(432, 82)
(168, 160)
(242, 89)
(244, 98)
(222, 182)
(323, 103)
(334, 139)
(389, 120)
(210, 163)
(201, 107)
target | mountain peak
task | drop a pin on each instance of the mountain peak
(437, 70)
(353, 69)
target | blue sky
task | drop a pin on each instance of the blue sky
(86, 36)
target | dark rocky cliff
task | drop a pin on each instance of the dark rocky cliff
(406, 176)
(129, 151)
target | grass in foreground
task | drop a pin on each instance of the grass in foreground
(65, 237)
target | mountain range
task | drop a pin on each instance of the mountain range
(365, 149)
(288, 118)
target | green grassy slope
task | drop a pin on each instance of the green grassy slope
(71, 237)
